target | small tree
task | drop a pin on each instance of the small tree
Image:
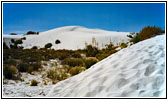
(48, 45)
(12, 40)
(57, 42)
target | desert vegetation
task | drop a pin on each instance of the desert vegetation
(17, 60)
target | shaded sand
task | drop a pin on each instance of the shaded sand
(136, 71)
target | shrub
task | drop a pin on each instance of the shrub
(48, 45)
(19, 41)
(76, 55)
(5, 46)
(91, 51)
(101, 56)
(135, 39)
(34, 47)
(24, 38)
(123, 45)
(73, 62)
(33, 83)
(57, 41)
(12, 40)
(31, 32)
(13, 34)
(149, 31)
(76, 70)
(9, 71)
(89, 62)
(23, 67)
(57, 74)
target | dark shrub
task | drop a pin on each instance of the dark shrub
(34, 47)
(12, 40)
(34, 83)
(123, 45)
(57, 42)
(91, 51)
(149, 31)
(90, 61)
(73, 62)
(5, 46)
(23, 67)
(13, 34)
(48, 45)
(9, 71)
(24, 38)
(76, 55)
(135, 39)
(30, 32)
(19, 41)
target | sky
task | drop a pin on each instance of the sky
(125, 17)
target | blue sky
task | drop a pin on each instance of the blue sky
(127, 17)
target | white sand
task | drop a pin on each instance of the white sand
(71, 37)
(136, 71)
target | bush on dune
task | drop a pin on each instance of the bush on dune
(9, 71)
(90, 61)
(73, 62)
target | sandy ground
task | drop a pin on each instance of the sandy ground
(136, 71)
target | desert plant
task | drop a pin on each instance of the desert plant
(19, 41)
(34, 82)
(9, 71)
(76, 55)
(91, 51)
(76, 70)
(13, 34)
(123, 45)
(23, 67)
(149, 31)
(73, 62)
(48, 45)
(34, 47)
(89, 62)
(57, 41)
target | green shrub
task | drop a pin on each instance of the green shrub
(23, 67)
(48, 45)
(76, 55)
(76, 70)
(149, 31)
(9, 71)
(89, 62)
(57, 41)
(73, 62)
(19, 41)
(135, 39)
(34, 83)
(123, 45)
(101, 56)
(57, 74)
(91, 51)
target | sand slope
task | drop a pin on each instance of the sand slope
(72, 37)
(136, 71)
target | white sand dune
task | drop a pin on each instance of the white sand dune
(136, 71)
(72, 37)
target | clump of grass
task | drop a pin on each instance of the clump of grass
(76, 70)
(90, 61)
(34, 82)
(73, 62)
